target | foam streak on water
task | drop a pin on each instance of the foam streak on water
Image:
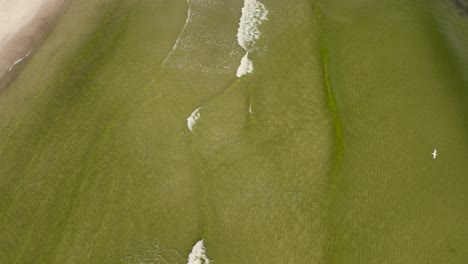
(187, 21)
(253, 14)
(18, 61)
(198, 256)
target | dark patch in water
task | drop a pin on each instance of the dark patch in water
(462, 5)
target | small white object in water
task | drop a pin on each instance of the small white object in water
(192, 119)
(245, 66)
(198, 256)
(434, 154)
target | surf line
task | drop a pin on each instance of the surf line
(253, 14)
(18, 61)
(187, 21)
(198, 255)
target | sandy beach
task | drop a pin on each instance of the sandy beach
(23, 25)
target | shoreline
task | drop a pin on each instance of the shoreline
(27, 25)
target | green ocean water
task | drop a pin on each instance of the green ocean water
(321, 155)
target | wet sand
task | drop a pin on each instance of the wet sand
(23, 26)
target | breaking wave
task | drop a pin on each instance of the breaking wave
(246, 66)
(253, 14)
(193, 118)
(198, 256)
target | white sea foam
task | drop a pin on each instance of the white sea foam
(193, 118)
(203, 46)
(253, 14)
(246, 66)
(198, 256)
